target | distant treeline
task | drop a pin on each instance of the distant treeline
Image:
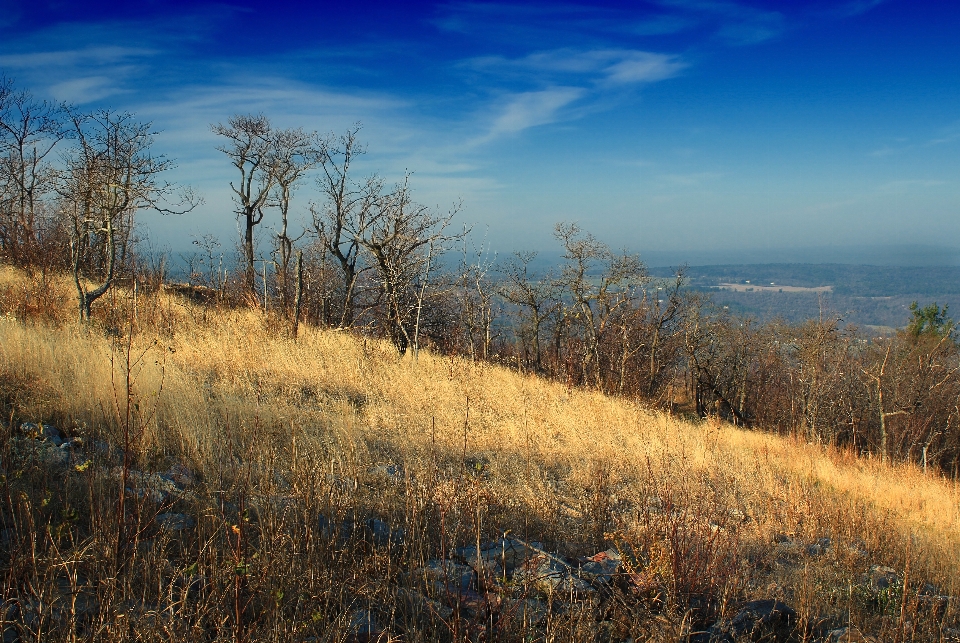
(374, 261)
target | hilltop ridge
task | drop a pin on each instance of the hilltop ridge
(284, 437)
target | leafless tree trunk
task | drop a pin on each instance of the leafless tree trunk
(297, 152)
(396, 238)
(596, 298)
(29, 132)
(538, 296)
(109, 176)
(344, 220)
(250, 148)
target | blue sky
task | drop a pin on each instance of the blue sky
(683, 126)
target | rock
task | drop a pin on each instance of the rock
(420, 605)
(933, 604)
(181, 476)
(819, 547)
(526, 612)
(44, 453)
(79, 599)
(550, 575)
(373, 530)
(151, 486)
(764, 620)
(601, 568)
(848, 635)
(46, 432)
(881, 579)
(342, 484)
(175, 522)
(787, 550)
(382, 534)
(392, 473)
(498, 557)
(364, 628)
(340, 531)
(448, 575)
(19, 620)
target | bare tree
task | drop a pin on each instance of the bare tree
(29, 132)
(537, 296)
(109, 176)
(296, 153)
(476, 292)
(349, 210)
(598, 283)
(403, 239)
(250, 146)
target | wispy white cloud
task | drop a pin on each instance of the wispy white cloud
(555, 79)
(529, 109)
(618, 66)
(731, 22)
(735, 23)
(885, 151)
(84, 90)
(644, 67)
(949, 134)
(73, 57)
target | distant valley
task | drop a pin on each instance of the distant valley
(862, 295)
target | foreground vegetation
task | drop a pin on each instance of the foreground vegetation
(310, 484)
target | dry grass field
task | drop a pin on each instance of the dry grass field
(318, 476)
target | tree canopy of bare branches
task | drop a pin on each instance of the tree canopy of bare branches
(109, 175)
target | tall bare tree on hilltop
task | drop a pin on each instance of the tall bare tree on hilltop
(29, 132)
(351, 205)
(249, 146)
(109, 175)
(296, 153)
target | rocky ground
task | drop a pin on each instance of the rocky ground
(508, 588)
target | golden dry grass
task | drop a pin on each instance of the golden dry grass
(234, 366)
(207, 378)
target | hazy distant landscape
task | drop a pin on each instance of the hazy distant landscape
(859, 294)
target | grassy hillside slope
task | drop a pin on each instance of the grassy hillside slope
(290, 444)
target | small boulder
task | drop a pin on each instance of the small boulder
(881, 580)
(499, 556)
(551, 575)
(819, 547)
(41, 431)
(181, 476)
(382, 534)
(364, 628)
(150, 486)
(447, 576)
(420, 606)
(763, 620)
(526, 612)
(175, 521)
(601, 568)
